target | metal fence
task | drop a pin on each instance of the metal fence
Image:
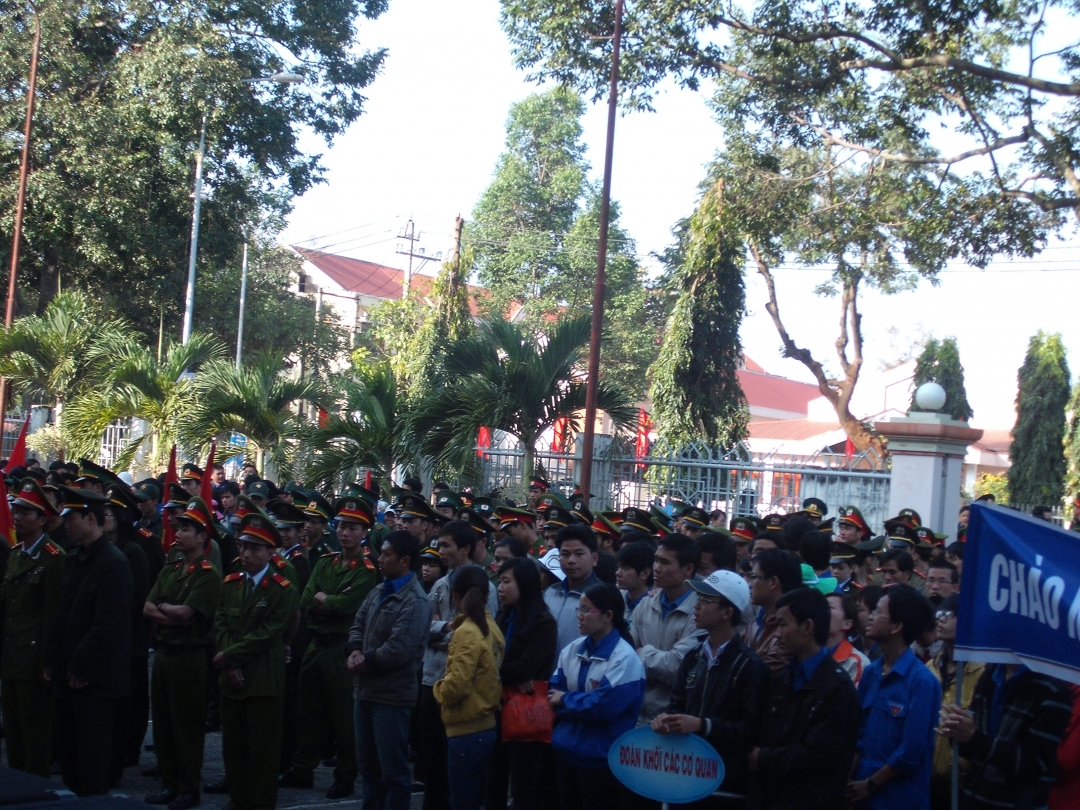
(13, 423)
(737, 480)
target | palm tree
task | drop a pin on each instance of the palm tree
(507, 378)
(54, 355)
(254, 400)
(139, 385)
(371, 434)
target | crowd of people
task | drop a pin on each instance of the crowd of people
(488, 653)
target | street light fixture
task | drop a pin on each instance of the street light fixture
(189, 303)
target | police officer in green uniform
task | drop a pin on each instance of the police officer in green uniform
(253, 614)
(378, 531)
(181, 607)
(29, 596)
(338, 586)
(317, 536)
(149, 525)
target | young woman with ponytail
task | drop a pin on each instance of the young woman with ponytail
(470, 692)
(596, 693)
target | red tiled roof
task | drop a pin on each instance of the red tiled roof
(776, 393)
(375, 280)
(795, 430)
(995, 440)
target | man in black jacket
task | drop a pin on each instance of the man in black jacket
(88, 649)
(811, 726)
(722, 684)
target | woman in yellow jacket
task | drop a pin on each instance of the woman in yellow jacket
(470, 691)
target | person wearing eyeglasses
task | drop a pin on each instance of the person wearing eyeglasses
(944, 666)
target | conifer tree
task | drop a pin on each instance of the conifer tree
(940, 363)
(1037, 474)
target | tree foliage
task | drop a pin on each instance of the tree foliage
(123, 87)
(940, 362)
(1072, 444)
(1037, 474)
(535, 235)
(507, 377)
(695, 392)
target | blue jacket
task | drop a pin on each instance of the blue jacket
(605, 686)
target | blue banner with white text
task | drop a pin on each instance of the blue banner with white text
(1020, 593)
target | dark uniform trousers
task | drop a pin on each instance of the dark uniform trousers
(251, 748)
(326, 692)
(84, 731)
(178, 693)
(28, 724)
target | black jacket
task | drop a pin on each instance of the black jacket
(729, 697)
(808, 740)
(91, 632)
(532, 652)
(141, 584)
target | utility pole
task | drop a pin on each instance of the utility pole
(409, 235)
(601, 266)
(243, 301)
(193, 255)
(20, 201)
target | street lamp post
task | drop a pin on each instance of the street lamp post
(243, 301)
(193, 255)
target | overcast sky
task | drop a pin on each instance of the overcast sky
(434, 127)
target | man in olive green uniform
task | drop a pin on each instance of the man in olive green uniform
(181, 606)
(318, 538)
(29, 597)
(338, 586)
(253, 614)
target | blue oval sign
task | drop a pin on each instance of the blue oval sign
(674, 768)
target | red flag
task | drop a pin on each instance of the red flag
(18, 454)
(849, 449)
(7, 525)
(558, 441)
(644, 425)
(367, 480)
(168, 536)
(483, 441)
(324, 418)
(206, 488)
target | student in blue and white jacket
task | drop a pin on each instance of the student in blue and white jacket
(596, 693)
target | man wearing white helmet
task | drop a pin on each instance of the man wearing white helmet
(721, 690)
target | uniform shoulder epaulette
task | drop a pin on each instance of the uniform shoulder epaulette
(857, 586)
(280, 580)
(207, 565)
(919, 574)
(278, 561)
(330, 554)
(52, 549)
(233, 577)
(370, 565)
(146, 533)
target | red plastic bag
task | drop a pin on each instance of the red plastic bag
(527, 718)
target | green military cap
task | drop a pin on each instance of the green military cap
(929, 538)
(580, 511)
(89, 471)
(604, 525)
(910, 516)
(35, 473)
(695, 517)
(615, 518)
(826, 526)
(431, 553)
(147, 491)
(409, 504)
(773, 522)
(448, 498)
(852, 515)
(639, 519)
(121, 498)
(900, 534)
(815, 507)
(558, 517)
(484, 507)
(875, 545)
(296, 489)
(318, 507)
(191, 472)
(355, 490)
(743, 529)
(178, 496)
(30, 495)
(79, 500)
(511, 514)
(259, 489)
(256, 527)
(201, 515)
(356, 509)
(718, 530)
(845, 553)
(479, 524)
(660, 517)
(677, 508)
(538, 482)
(553, 499)
(245, 506)
(284, 513)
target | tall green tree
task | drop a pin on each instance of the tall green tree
(695, 393)
(507, 377)
(939, 362)
(51, 357)
(123, 88)
(1072, 444)
(1037, 474)
(535, 235)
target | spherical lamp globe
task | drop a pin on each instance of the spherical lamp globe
(930, 397)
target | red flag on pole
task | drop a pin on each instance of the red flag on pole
(7, 525)
(206, 488)
(849, 449)
(18, 453)
(168, 536)
(367, 479)
(483, 441)
(558, 441)
(644, 425)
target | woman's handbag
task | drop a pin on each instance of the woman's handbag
(527, 718)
